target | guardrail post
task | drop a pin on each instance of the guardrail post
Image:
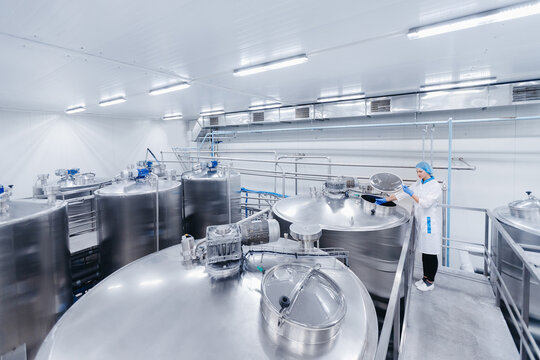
(444, 234)
(499, 267)
(486, 245)
(526, 292)
(397, 329)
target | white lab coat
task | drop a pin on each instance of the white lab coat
(428, 215)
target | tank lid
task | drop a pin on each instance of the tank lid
(131, 187)
(302, 303)
(526, 209)
(386, 182)
(345, 214)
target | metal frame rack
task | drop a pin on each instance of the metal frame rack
(85, 262)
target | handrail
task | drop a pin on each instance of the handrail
(332, 164)
(393, 303)
(518, 250)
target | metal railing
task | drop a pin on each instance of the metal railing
(403, 278)
(495, 238)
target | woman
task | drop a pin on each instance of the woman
(427, 195)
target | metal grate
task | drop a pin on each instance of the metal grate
(258, 116)
(302, 113)
(214, 120)
(378, 106)
(526, 93)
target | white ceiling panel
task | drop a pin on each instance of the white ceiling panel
(61, 53)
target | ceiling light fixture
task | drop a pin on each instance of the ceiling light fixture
(482, 18)
(112, 101)
(75, 109)
(210, 113)
(271, 65)
(172, 117)
(459, 84)
(264, 106)
(341, 97)
(169, 88)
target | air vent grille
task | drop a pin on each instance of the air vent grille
(378, 106)
(302, 113)
(526, 93)
(214, 120)
(258, 116)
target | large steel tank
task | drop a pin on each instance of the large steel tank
(35, 281)
(373, 234)
(521, 219)
(211, 197)
(170, 308)
(77, 189)
(126, 220)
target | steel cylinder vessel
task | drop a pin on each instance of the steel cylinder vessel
(126, 221)
(169, 308)
(372, 234)
(521, 219)
(35, 281)
(211, 197)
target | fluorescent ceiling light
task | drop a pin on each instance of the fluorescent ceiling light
(172, 117)
(482, 18)
(209, 113)
(75, 109)
(169, 88)
(113, 101)
(265, 106)
(342, 97)
(460, 84)
(271, 65)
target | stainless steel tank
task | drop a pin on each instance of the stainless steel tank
(372, 234)
(211, 197)
(521, 219)
(77, 189)
(162, 307)
(35, 281)
(126, 220)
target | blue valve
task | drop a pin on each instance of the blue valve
(142, 173)
(73, 171)
(212, 164)
(1, 189)
(149, 164)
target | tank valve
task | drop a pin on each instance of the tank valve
(51, 191)
(188, 245)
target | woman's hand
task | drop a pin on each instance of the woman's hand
(407, 190)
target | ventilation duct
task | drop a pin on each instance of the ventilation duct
(525, 93)
(257, 117)
(378, 106)
(509, 94)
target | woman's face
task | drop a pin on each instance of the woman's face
(422, 174)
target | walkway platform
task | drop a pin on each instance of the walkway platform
(457, 320)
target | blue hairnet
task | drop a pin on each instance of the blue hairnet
(425, 166)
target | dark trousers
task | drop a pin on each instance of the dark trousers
(430, 263)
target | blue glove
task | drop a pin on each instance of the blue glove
(407, 190)
(380, 201)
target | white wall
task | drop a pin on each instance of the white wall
(33, 143)
(506, 154)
